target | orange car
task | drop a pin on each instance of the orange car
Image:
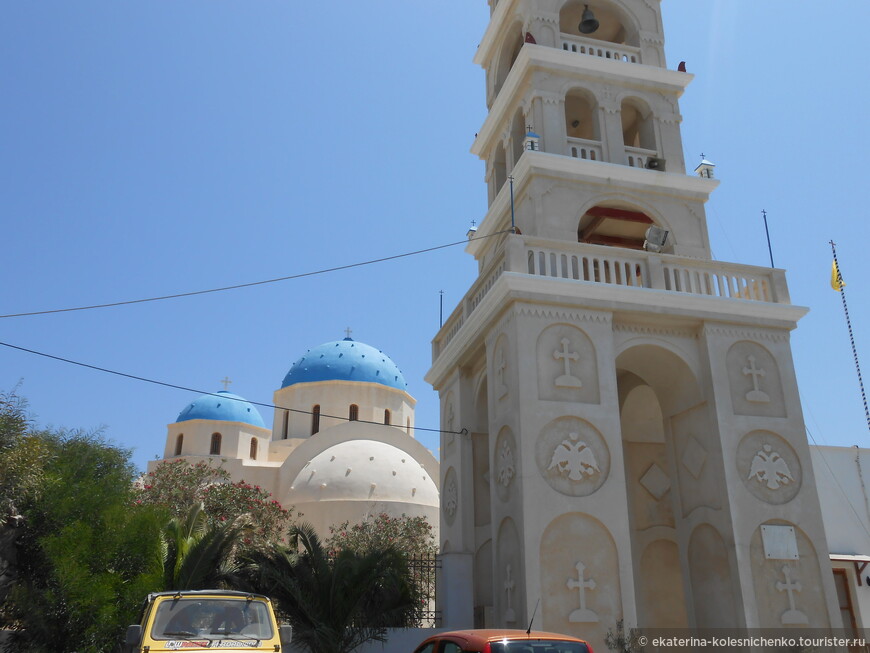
(502, 641)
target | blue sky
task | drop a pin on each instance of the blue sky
(150, 148)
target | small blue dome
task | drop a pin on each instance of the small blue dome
(345, 360)
(222, 406)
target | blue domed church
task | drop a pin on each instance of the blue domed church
(341, 445)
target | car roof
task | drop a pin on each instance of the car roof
(483, 635)
(187, 593)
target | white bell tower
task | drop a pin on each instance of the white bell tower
(635, 446)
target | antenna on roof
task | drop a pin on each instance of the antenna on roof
(531, 621)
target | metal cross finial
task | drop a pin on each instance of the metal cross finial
(226, 381)
(703, 156)
(347, 332)
(528, 128)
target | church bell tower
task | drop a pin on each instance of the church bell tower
(633, 445)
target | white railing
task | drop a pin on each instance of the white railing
(637, 157)
(580, 148)
(602, 265)
(718, 282)
(616, 266)
(603, 49)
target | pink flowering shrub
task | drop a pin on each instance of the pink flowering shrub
(177, 485)
(410, 535)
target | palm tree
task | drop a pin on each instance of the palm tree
(197, 555)
(335, 602)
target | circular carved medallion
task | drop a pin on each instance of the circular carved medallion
(769, 467)
(572, 456)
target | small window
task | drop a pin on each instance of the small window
(353, 413)
(408, 426)
(387, 416)
(253, 448)
(286, 423)
(315, 419)
(215, 444)
(179, 442)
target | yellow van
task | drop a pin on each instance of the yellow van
(207, 619)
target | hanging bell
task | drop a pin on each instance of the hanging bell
(588, 22)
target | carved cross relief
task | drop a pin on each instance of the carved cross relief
(567, 380)
(500, 367)
(510, 615)
(792, 616)
(755, 395)
(582, 614)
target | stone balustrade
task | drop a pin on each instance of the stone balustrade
(603, 49)
(617, 266)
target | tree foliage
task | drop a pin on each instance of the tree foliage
(335, 602)
(413, 536)
(21, 456)
(198, 554)
(85, 560)
(179, 487)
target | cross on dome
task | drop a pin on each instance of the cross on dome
(226, 381)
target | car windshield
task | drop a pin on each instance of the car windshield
(539, 646)
(197, 618)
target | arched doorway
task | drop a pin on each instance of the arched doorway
(674, 483)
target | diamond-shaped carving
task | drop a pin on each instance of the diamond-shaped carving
(656, 482)
(694, 457)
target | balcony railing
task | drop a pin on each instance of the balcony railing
(603, 49)
(582, 262)
(580, 148)
(637, 157)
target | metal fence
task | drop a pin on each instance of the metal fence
(424, 570)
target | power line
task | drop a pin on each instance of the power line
(213, 394)
(253, 283)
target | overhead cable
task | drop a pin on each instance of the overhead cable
(253, 283)
(213, 394)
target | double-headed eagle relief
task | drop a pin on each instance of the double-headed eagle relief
(574, 457)
(769, 468)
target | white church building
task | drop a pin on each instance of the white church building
(341, 446)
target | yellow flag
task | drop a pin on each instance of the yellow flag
(837, 282)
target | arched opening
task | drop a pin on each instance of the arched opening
(518, 134)
(617, 225)
(286, 427)
(215, 449)
(315, 419)
(673, 465)
(499, 170)
(253, 451)
(638, 134)
(353, 413)
(614, 27)
(179, 443)
(581, 125)
(387, 416)
(510, 50)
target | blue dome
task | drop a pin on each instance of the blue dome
(345, 360)
(222, 406)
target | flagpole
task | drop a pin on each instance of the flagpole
(839, 280)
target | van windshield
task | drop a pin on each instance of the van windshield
(198, 618)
